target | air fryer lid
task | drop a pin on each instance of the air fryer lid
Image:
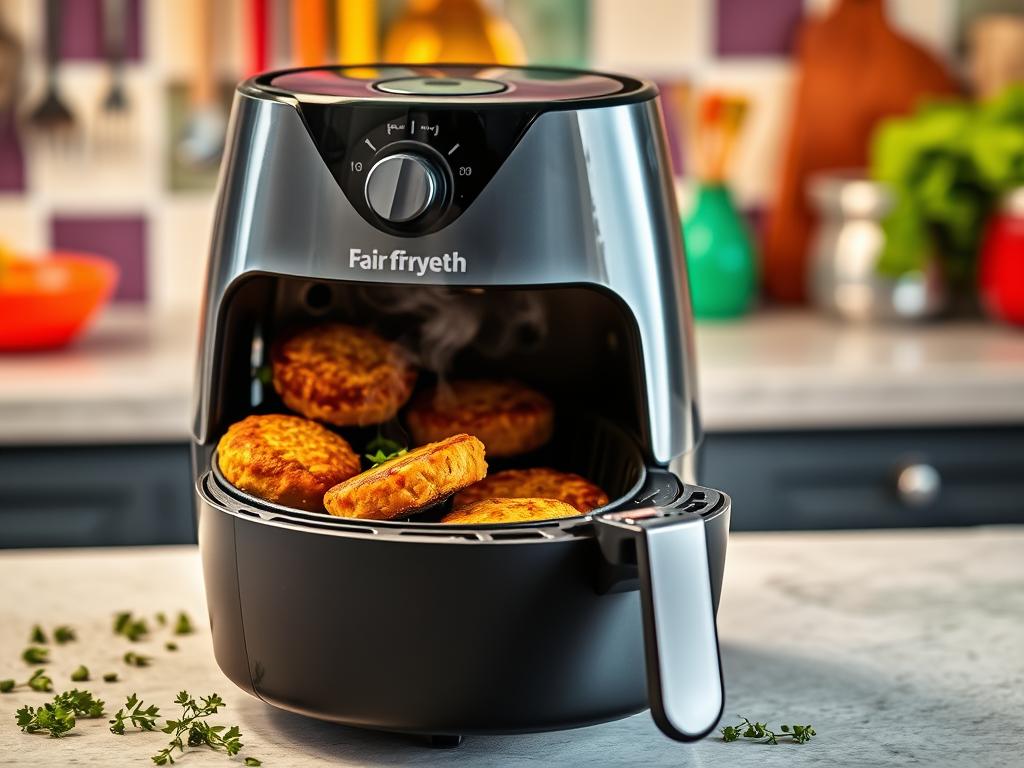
(478, 84)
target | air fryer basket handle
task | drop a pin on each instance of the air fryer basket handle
(684, 671)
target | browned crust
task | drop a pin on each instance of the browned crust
(509, 417)
(519, 510)
(539, 482)
(342, 374)
(285, 459)
(422, 477)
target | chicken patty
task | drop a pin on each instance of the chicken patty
(342, 374)
(509, 511)
(424, 476)
(509, 417)
(539, 482)
(285, 459)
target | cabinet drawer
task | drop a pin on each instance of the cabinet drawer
(868, 479)
(95, 496)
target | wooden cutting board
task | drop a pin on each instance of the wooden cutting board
(853, 69)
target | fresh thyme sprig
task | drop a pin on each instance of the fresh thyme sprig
(142, 718)
(58, 716)
(192, 730)
(800, 734)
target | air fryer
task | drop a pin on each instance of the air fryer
(511, 223)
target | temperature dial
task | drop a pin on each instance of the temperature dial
(401, 187)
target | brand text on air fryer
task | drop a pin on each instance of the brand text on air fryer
(400, 261)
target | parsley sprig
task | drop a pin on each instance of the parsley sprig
(192, 730)
(58, 716)
(382, 450)
(143, 718)
(38, 682)
(800, 734)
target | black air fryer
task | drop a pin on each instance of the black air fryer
(499, 222)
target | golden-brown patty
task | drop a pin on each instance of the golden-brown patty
(422, 477)
(540, 482)
(342, 374)
(510, 511)
(509, 417)
(285, 459)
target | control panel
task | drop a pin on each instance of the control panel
(413, 171)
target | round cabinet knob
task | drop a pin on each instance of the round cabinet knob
(918, 485)
(401, 187)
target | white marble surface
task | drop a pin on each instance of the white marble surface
(901, 648)
(130, 379)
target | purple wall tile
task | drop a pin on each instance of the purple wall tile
(121, 239)
(81, 27)
(756, 27)
(12, 161)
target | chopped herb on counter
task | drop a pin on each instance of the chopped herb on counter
(161, 618)
(58, 716)
(171, 646)
(110, 677)
(800, 734)
(133, 628)
(81, 674)
(38, 636)
(142, 718)
(35, 654)
(192, 730)
(183, 626)
(64, 634)
(137, 659)
(40, 681)
(6, 686)
(253, 762)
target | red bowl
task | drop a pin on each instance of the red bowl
(47, 303)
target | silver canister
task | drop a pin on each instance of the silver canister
(845, 250)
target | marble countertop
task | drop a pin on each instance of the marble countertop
(130, 378)
(901, 648)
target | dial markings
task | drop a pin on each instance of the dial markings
(453, 148)
(370, 145)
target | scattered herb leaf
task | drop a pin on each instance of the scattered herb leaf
(125, 623)
(171, 646)
(6, 686)
(183, 626)
(40, 681)
(192, 730)
(110, 677)
(81, 674)
(142, 718)
(161, 618)
(800, 734)
(35, 654)
(38, 636)
(58, 716)
(252, 761)
(64, 634)
(137, 659)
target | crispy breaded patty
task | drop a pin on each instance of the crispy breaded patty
(509, 417)
(422, 477)
(285, 459)
(510, 511)
(342, 374)
(541, 482)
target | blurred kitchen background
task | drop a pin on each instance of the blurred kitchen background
(851, 184)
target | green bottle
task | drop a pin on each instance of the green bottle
(719, 255)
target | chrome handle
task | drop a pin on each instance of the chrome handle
(918, 485)
(684, 670)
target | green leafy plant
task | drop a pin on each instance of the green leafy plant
(947, 165)
(746, 729)
(35, 654)
(381, 450)
(133, 711)
(130, 626)
(58, 716)
(192, 729)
